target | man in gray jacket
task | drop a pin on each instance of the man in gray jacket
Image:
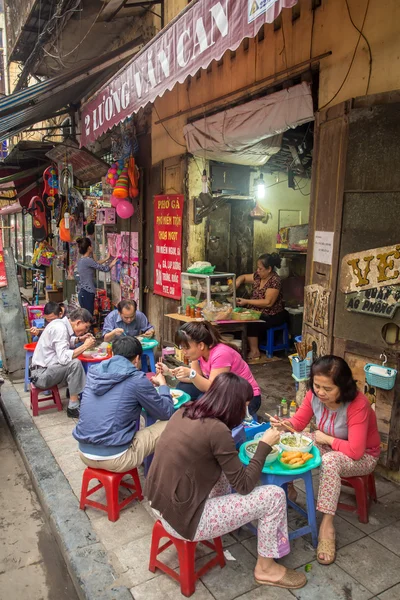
(112, 401)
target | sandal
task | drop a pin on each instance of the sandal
(326, 547)
(292, 580)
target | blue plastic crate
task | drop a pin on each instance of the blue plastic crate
(301, 369)
(251, 431)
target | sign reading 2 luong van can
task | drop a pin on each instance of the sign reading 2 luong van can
(201, 34)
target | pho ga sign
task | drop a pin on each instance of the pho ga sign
(202, 33)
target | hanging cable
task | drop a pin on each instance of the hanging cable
(166, 130)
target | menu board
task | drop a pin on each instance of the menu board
(168, 212)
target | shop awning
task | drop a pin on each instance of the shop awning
(249, 134)
(45, 100)
(201, 33)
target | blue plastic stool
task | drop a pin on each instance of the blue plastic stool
(271, 346)
(145, 365)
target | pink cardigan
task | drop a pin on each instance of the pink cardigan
(363, 436)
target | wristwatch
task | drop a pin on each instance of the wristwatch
(192, 374)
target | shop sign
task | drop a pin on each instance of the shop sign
(168, 212)
(370, 269)
(380, 302)
(3, 275)
(316, 307)
(203, 33)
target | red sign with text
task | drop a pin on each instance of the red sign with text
(168, 211)
(3, 276)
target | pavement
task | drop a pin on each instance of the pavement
(110, 560)
(31, 563)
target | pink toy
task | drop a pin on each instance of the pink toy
(124, 209)
(115, 201)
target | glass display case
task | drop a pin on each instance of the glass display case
(219, 288)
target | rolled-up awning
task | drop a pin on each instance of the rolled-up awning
(249, 134)
(201, 33)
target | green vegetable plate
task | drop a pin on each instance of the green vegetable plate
(277, 468)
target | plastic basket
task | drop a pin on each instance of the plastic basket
(298, 339)
(301, 370)
(291, 357)
(385, 382)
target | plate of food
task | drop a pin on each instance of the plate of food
(89, 353)
(295, 442)
(251, 447)
(176, 395)
(294, 460)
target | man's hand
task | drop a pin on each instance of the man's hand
(118, 331)
(163, 369)
(148, 334)
(83, 338)
(90, 342)
(34, 331)
(158, 380)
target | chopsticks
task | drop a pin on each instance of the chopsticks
(302, 349)
(282, 423)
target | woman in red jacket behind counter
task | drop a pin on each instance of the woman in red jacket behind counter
(347, 437)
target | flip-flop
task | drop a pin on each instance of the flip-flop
(326, 547)
(291, 580)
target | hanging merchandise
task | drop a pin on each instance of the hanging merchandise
(133, 175)
(124, 209)
(121, 187)
(43, 254)
(66, 178)
(50, 192)
(37, 210)
(114, 201)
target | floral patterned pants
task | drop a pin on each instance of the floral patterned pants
(225, 512)
(334, 466)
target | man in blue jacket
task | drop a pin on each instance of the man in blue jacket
(115, 393)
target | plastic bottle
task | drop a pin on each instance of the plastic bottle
(192, 312)
(284, 405)
(188, 310)
(292, 408)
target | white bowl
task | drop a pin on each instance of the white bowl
(303, 443)
(272, 456)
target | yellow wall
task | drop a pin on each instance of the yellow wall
(284, 48)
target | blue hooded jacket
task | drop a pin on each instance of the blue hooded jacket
(114, 395)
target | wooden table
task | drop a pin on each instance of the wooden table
(231, 326)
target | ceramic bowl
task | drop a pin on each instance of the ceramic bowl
(303, 443)
(251, 447)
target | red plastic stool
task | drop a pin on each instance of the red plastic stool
(35, 399)
(111, 482)
(187, 576)
(364, 487)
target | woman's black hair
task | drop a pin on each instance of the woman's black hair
(225, 400)
(198, 332)
(339, 371)
(270, 260)
(83, 244)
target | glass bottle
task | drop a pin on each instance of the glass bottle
(292, 408)
(284, 407)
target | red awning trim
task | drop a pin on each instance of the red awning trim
(200, 34)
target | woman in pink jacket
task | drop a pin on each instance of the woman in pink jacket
(347, 436)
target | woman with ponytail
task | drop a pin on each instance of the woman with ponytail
(266, 296)
(86, 270)
(209, 356)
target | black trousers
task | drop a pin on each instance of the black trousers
(86, 300)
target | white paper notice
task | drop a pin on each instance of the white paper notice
(323, 247)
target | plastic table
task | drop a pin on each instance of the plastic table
(88, 361)
(276, 474)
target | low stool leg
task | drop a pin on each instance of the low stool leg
(186, 554)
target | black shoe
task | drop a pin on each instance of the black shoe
(73, 413)
(67, 393)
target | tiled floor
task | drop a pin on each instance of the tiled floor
(368, 557)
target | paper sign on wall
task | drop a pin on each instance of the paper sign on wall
(323, 247)
(168, 211)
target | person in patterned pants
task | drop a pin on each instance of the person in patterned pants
(347, 436)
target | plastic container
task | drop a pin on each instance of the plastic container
(298, 339)
(254, 428)
(285, 409)
(301, 369)
(380, 376)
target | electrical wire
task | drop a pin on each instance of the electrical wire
(353, 57)
(166, 130)
(360, 31)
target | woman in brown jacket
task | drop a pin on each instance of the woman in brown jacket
(195, 466)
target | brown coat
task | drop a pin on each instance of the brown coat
(189, 459)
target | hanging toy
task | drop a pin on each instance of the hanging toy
(121, 187)
(114, 201)
(37, 209)
(133, 174)
(50, 192)
(124, 209)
